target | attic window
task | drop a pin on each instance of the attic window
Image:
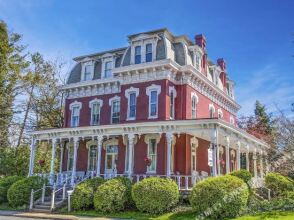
(137, 54)
(88, 73)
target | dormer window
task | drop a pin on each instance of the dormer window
(197, 61)
(88, 73)
(137, 54)
(148, 53)
(108, 69)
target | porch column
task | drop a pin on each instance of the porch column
(247, 158)
(254, 163)
(61, 156)
(218, 160)
(228, 155)
(32, 157)
(169, 139)
(213, 147)
(99, 148)
(131, 138)
(74, 167)
(54, 143)
(261, 165)
(238, 155)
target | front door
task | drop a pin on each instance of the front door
(111, 161)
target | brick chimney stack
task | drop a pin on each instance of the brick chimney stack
(221, 63)
(200, 40)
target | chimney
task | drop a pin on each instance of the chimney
(221, 63)
(200, 41)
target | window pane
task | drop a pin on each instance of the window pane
(153, 96)
(137, 59)
(148, 48)
(137, 54)
(108, 68)
(87, 73)
(115, 111)
(109, 161)
(138, 50)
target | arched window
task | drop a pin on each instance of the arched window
(194, 101)
(220, 114)
(211, 111)
(172, 95)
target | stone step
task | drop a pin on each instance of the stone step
(43, 206)
(41, 210)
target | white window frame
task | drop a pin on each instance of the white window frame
(194, 141)
(127, 95)
(194, 95)
(172, 108)
(91, 103)
(211, 107)
(89, 145)
(232, 120)
(142, 40)
(107, 58)
(147, 139)
(70, 148)
(150, 89)
(84, 64)
(220, 113)
(148, 53)
(111, 100)
(71, 107)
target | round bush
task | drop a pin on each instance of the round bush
(5, 184)
(83, 195)
(278, 184)
(245, 175)
(155, 195)
(20, 192)
(113, 195)
(219, 197)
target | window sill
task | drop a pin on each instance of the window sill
(131, 119)
(150, 172)
(152, 117)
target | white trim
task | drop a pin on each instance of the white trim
(220, 112)
(147, 139)
(88, 146)
(71, 106)
(111, 100)
(150, 89)
(127, 95)
(107, 58)
(194, 141)
(69, 145)
(172, 89)
(232, 120)
(91, 103)
(88, 63)
(211, 107)
(194, 95)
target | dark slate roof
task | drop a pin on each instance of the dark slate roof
(118, 50)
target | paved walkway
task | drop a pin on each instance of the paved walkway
(46, 216)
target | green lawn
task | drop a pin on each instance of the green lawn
(5, 206)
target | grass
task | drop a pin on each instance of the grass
(6, 207)
(283, 215)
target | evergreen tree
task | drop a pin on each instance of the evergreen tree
(263, 120)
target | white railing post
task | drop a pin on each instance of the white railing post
(186, 183)
(179, 181)
(137, 178)
(53, 197)
(32, 200)
(63, 192)
(43, 193)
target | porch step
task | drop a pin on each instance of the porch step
(41, 210)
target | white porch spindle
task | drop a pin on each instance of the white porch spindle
(61, 157)
(247, 159)
(99, 148)
(238, 155)
(74, 167)
(54, 143)
(254, 163)
(218, 160)
(32, 157)
(228, 155)
(169, 138)
(131, 138)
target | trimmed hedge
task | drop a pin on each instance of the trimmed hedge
(219, 197)
(113, 195)
(155, 195)
(245, 175)
(20, 192)
(5, 184)
(278, 184)
(83, 195)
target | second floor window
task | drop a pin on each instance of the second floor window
(108, 69)
(153, 103)
(132, 105)
(75, 116)
(115, 110)
(88, 73)
(194, 107)
(172, 105)
(211, 112)
(137, 54)
(148, 57)
(95, 114)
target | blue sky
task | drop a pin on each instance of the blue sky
(254, 37)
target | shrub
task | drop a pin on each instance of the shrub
(245, 175)
(5, 184)
(20, 192)
(278, 184)
(113, 195)
(83, 195)
(155, 195)
(219, 197)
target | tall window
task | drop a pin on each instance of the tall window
(152, 151)
(92, 158)
(220, 114)
(193, 156)
(194, 107)
(127, 156)
(211, 111)
(153, 103)
(88, 72)
(107, 69)
(115, 110)
(137, 54)
(75, 116)
(148, 52)
(172, 105)
(95, 114)
(70, 155)
(197, 61)
(132, 105)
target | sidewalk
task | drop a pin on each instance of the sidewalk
(47, 216)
